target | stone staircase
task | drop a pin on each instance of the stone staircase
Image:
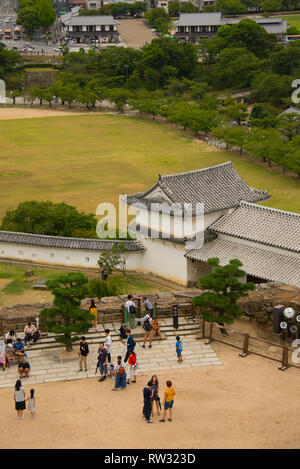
(187, 326)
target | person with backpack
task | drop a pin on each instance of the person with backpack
(120, 370)
(147, 325)
(131, 309)
(130, 343)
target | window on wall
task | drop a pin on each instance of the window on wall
(68, 258)
(2, 252)
(87, 259)
(20, 253)
(51, 255)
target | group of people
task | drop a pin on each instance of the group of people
(151, 395)
(13, 348)
(20, 400)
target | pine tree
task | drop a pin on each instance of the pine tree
(223, 287)
(66, 317)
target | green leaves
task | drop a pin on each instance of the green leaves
(223, 287)
(66, 317)
(49, 219)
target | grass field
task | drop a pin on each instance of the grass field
(84, 160)
(293, 20)
(14, 289)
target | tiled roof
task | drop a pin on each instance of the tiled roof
(92, 20)
(263, 225)
(217, 187)
(199, 19)
(256, 261)
(68, 243)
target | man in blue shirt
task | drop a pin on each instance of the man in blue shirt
(18, 348)
(147, 393)
(130, 344)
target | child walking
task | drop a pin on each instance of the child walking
(179, 349)
(31, 403)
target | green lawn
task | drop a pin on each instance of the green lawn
(89, 159)
(15, 290)
(293, 20)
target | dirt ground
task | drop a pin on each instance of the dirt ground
(25, 113)
(245, 403)
(135, 33)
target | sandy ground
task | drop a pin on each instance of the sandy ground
(135, 33)
(245, 403)
(19, 113)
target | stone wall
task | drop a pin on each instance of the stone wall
(257, 305)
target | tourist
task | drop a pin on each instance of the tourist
(131, 310)
(132, 372)
(179, 349)
(120, 369)
(31, 403)
(130, 344)
(147, 325)
(111, 371)
(102, 361)
(156, 328)
(147, 393)
(19, 398)
(155, 397)
(18, 348)
(31, 333)
(23, 368)
(108, 344)
(83, 353)
(148, 305)
(10, 336)
(168, 401)
(9, 350)
(3, 355)
(93, 311)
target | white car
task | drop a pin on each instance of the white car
(7, 20)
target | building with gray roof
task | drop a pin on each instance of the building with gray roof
(194, 27)
(91, 29)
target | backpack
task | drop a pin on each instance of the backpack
(147, 326)
(132, 309)
(121, 370)
(122, 332)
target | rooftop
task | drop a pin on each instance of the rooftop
(257, 261)
(217, 187)
(261, 224)
(91, 20)
(67, 243)
(199, 19)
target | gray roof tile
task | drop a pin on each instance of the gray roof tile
(257, 261)
(199, 19)
(64, 242)
(261, 224)
(217, 187)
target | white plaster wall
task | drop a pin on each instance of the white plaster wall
(60, 256)
(164, 259)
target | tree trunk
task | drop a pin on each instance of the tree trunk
(69, 347)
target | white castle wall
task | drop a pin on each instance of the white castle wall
(59, 256)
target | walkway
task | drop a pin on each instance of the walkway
(51, 365)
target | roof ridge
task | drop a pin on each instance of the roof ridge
(264, 208)
(227, 163)
(64, 237)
